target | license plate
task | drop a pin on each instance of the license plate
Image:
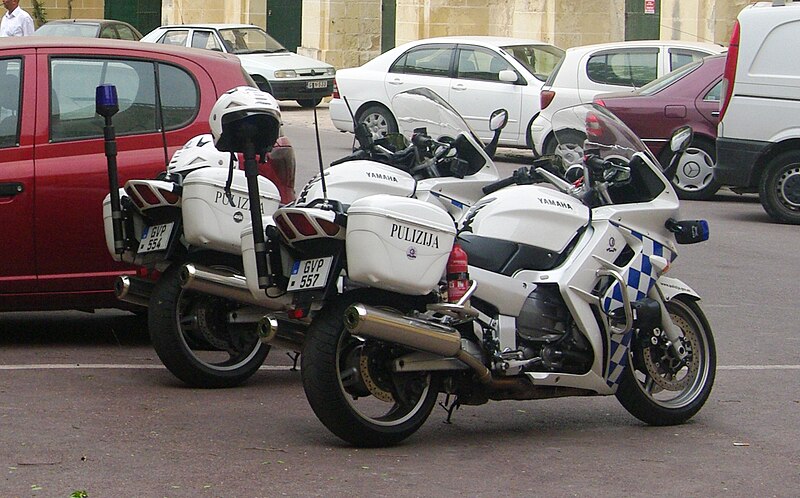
(308, 274)
(155, 238)
(317, 84)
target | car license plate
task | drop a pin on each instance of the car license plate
(308, 274)
(155, 238)
(317, 84)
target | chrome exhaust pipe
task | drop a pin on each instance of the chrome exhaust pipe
(289, 336)
(133, 290)
(225, 284)
(415, 333)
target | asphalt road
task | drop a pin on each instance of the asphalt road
(86, 405)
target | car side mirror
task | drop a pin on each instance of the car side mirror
(507, 76)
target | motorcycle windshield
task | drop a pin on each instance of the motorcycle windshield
(589, 128)
(424, 108)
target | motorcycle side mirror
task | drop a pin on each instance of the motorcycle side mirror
(497, 121)
(681, 139)
(678, 143)
(364, 136)
(574, 173)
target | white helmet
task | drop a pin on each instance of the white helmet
(245, 114)
(199, 152)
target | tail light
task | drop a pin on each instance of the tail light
(600, 102)
(335, 90)
(729, 74)
(546, 97)
(147, 194)
(303, 225)
(594, 127)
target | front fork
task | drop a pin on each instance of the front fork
(673, 332)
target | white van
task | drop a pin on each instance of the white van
(758, 137)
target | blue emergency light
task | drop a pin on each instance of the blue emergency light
(106, 101)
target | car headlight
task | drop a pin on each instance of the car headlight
(330, 71)
(285, 73)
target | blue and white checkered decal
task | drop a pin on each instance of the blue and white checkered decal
(639, 276)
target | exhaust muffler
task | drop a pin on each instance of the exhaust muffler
(226, 284)
(414, 333)
(133, 290)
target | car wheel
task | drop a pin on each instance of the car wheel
(309, 103)
(779, 189)
(378, 120)
(694, 176)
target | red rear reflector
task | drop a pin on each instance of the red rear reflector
(302, 224)
(296, 314)
(336, 90)
(329, 227)
(729, 73)
(284, 227)
(546, 97)
(169, 196)
(147, 195)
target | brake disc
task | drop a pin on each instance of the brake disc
(668, 371)
(370, 382)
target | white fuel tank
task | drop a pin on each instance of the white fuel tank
(353, 180)
(529, 214)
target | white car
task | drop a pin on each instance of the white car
(286, 75)
(608, 67)
(475, 74)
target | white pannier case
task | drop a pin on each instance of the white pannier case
(215, 220)
(397, 243)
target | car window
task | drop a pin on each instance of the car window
(540, 60)
(249, 41)
(10, 71)
(205, 40)
(69, 29)
(429, 61)
(73, 84)
(175, 37)
(480, 64)
(109, 32)
(623, 67)
(680, 57)
(660, 83)
(714, 94)
(126, 33)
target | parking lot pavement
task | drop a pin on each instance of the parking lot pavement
(294, 115)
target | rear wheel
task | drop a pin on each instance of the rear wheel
(309, 103)
(193, 337)
(660, 389)
(379, 121)
(349, 381)
(779, 189)
(694, 177)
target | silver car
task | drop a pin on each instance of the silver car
(284, 74)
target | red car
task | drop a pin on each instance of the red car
(53, 173)
(687, 96)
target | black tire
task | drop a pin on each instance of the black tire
(379, 121)
(694, 176)
(309, 103)
(684, 392)
(779, 188)
(335, 385)
(192, 336)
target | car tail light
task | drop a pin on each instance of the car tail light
(546, 97)
(336, 90)
(729, 74)
(593, 126)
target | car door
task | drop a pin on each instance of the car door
(426, 65)
(71, 166)
(476, 91)
(17, 194)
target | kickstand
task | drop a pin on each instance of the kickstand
(450, 408)
(294, 355)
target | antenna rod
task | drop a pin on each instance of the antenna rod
(319, 156)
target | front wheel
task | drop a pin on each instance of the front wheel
(658, 388)
(779, 189)
(193, 337)
(349, 381)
